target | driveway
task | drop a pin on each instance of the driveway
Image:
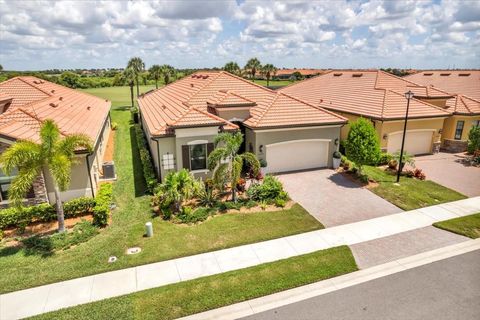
(448, 170)
(334, 199)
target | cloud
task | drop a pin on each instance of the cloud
(67, 34)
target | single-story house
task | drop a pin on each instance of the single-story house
(379, 96)
(25, 102)
(464, 85)
(182, 119)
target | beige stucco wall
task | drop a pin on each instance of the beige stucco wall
(230, 114)
(451, 123)
(266, 137)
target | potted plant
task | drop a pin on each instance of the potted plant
(337, 156)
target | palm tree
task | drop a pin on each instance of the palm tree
(230, 170)
(232, 67)
(155, 72)
(253, 65)
(167, 72)
(178, 187)
(137, 65)
(53, 153)
(268, 71)
(128, 76)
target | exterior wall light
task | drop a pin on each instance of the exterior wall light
(260, 148)
(336, 142)
(385, 136)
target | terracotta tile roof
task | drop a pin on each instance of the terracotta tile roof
(465, 82)
(162, 108)
(5, 97)
(35, 100)
(370, 93)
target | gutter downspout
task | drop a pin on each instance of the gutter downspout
(158, 157)
(89, 175)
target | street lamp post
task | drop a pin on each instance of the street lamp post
(408, 96)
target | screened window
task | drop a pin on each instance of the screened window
(459, 130)
(198, 157)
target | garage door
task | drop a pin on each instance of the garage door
(416, 142)
(297, 155)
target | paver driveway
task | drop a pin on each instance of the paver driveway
(448, 170)
(334, 199)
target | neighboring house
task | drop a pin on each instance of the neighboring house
(464, 85)
(25, 102)
(379, 96)
(182, 119)
(288, 74)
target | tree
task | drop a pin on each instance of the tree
(232, 67)
(227, 146)
(167, 72)
(1, 68)
(297, 75)
(137, 65)
(473, 139)
(128, 76)
(362, 146)
(70, 79)
(178, 187)
(53, 153)
(269, 70)
(155, 72)
(252, 66)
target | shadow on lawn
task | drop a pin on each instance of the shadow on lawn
(32, 246)
(138, 178)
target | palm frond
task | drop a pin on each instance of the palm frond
(237, 164)
(215, 157)
(221, 174)
(49, 135)
(22, 184)
(21, 154)
(69, 144)
(252, 161)
(60, 167)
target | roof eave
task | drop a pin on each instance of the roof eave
(326, 124)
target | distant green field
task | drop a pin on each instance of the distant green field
(120, 96)
(275, 83)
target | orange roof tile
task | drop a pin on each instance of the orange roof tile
(35, 100)
(162, 108)
(374, 94)
(466, 82)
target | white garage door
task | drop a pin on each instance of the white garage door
(297, 155)
(416, 142)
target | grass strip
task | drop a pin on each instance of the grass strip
(468, 226)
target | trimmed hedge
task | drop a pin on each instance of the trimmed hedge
(101, 211)
(146, 159)
(45, 212)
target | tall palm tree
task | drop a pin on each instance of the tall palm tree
(253, 65)
(232, 67)
(269, 70)
(155, 72)
(138, 66)
(227, 146)
(128, 76)
(168, 72)
(53, 153)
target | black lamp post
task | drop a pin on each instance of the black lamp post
(408, 96)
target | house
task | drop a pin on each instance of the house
(464, 85)
(379, 96)
(182, 119)
(25, 102)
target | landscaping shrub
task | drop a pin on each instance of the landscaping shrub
(269, 190)
(101, 211)
(146, 160)
(406, 159)
(44, 212)
(193, 216)
(473, 140)
(362, 145)
(229, 205)
(280, 202)
(384, 158)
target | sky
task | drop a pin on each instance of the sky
(37, 35)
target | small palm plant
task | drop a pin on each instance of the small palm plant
(177, 188)
(53, 153)
(226, 163)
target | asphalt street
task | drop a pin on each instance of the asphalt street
(446, 289)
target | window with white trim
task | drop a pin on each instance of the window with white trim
(459, 129)
(198, 156)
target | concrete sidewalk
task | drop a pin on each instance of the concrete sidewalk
(64, 294)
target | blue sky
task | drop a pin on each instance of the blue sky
(38, 35)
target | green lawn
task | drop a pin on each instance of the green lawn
(185, 298)
(468, 226)
(120, 96)
(22, 269)
(275, 83)
(411, 193)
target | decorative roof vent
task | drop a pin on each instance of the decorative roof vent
(337, 74)
(164, 107)
(54, 105)
(357, 75)
(192, 85)
(88, 108)
(464, 74)
(205, 77)
(61, 98)
(428, 74)
(444, 74)
(37, 81)
(53, 91)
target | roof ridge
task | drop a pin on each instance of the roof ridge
(211, 115)
(267, 108)
(383, 102)
(217, 74)
(464, 104)
(34, 86)
(34, 116)
(422, 102)
(247, 81)
(312, 105)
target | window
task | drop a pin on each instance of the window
(459, 130)
(476, 123)
(198, 157)
(5, 182)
